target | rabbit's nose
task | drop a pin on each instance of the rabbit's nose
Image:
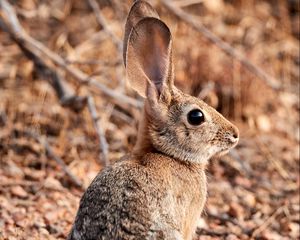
(234, 133)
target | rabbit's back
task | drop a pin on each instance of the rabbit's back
(132, 200)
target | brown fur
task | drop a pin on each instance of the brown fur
(157, 192)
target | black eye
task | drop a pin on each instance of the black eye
(195, 117)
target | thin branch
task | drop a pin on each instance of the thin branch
(99, 131)
(63, 90)
(223, 218)
(210, 232)
(269, 80)
(244, 166)
(10, 24)
(118, 43)
(102, 22)
(94, 62)
(264, 148)
(8, 13)
(186, 3)
(65, 168)
(123, 116)
(44, 142)
(267, 222)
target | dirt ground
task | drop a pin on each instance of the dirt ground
(253, 192)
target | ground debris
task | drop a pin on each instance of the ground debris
(253, 192)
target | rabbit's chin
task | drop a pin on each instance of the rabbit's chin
(222, 153)
(225, 151)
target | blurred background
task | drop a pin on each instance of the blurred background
(66, 110)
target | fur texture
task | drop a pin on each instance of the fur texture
(159, 190)
(154, 197)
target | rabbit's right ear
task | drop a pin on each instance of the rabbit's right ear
(139, 10)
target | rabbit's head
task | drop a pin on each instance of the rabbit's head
(177, 124)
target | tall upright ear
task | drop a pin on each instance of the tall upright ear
(149, 57)
(139, 10)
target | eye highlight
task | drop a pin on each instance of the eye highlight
(195, 117)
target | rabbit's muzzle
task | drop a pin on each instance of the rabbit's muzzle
(233, 135)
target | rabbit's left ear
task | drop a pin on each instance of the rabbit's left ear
(149, 66)
(139, 10)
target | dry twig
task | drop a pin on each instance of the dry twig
(99, 130)
(63, 90)
(209, 232)
(223, 218)
(270, 81)
(186, 3)
(267, 222)
(276, 163)
(44, 142)
(118, 43)
(10, 24)
(243, 166)
(102, 22)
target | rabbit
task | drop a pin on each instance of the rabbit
(159, 190)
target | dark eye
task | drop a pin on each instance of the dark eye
(195, 117)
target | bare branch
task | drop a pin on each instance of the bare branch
(118, 43)
(186, 3)
(264, 148)
(44, 142)
(65, 93)
(267, 222)
(9, 14)
(102, 22)
(223, 218)
(209, 232)
(270, 81)
(10, 24)
(99, 131)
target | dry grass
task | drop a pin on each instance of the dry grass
(253, 191)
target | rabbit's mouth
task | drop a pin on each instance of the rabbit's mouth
(232, 143)
(228, 143)
(232, 139)
(222, 153)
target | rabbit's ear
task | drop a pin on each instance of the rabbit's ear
(149, 58)
(139, 10)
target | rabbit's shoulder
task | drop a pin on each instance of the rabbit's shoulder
(124, 196)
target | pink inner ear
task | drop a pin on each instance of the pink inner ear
(152, 51)
(138, 11)
(156, 67)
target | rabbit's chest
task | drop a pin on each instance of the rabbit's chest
(180, 204)
(189, 199)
